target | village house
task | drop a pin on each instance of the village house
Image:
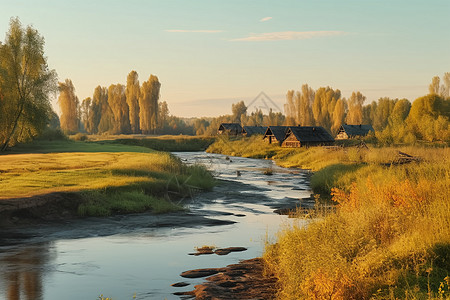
(306, 136)
(252, 130)
(275, 134)
(353, 131)
(230, 129)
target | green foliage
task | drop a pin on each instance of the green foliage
(25, 85)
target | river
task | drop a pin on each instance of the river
(141, 255)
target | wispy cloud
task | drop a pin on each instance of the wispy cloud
(193, 31)
(288, 35)
(265, 19)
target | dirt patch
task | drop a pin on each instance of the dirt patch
(32, 210)
(245, 280)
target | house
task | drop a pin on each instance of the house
(306, 136)
(252, 130)
(275, 134)
(230, 128)
(353, 131)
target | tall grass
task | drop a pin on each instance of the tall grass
(389, 238)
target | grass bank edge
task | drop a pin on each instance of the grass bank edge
(114, 181)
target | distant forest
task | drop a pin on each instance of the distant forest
(136, 109)
(26, 84)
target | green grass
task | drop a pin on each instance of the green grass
(171, 143)
(119, 179)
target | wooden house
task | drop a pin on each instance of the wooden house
(252, 130)
(306, 136)
(230, 128)
(353, 131)
(275, 134)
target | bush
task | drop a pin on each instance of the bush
(79, 137)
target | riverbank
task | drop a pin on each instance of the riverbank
(389, 236)
(65, 179)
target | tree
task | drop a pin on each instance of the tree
(119, 107)
(148, 104)
(323, 106)
(239, 110)
(429, 118)
(434, 87)
(132, 95)
(86, 114)
(102, 113)
(68, 103)
(25, 85)
(445, 89)
(304, 102)
(338, 115)
(163, 114)
(290, 109)
(355, 111)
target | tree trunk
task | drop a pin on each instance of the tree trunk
(16, 122)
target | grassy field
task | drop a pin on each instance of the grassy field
(171, 143)
(112, 178)
(389, 237)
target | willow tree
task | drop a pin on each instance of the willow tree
(69, 105)
(118, 103)
(148, 105)
(25, 85)
(132, 96)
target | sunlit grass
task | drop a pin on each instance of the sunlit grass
(109, 182)
(389, 238)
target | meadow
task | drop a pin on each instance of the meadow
(110, 177)
(388, 236)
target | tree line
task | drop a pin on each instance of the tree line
(118, 109)
(394, 120)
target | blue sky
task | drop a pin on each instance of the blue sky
(209, 54)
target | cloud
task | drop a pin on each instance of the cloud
(265, 19)
(194, 31)
(288, 35)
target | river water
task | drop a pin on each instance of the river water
(141, 255)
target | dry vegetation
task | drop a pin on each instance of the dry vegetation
(389, 237)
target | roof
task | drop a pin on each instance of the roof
(252, 130)
(310, 134)
(357, 129)
(231, 126)
(278, 131)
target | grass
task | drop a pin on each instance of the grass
(171, 143)
(389, 236)
(120, 179)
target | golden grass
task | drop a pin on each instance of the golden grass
(389, 239)
(24, 175)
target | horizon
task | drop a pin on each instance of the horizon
(209, 54)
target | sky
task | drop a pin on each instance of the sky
(210, 54)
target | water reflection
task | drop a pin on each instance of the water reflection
(21, 276)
